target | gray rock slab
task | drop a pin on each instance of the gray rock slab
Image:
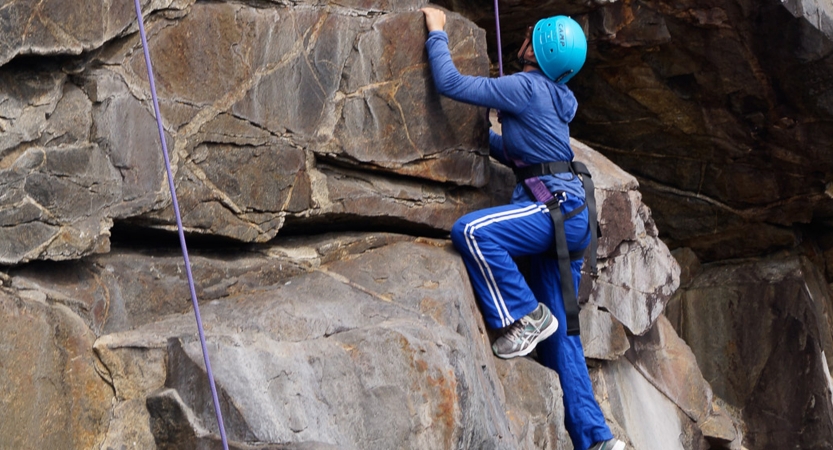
(55, 27)
(104, 290)
(646, 417)
(668, 363)
(770, 318)
(58, 203)
(637, 274)
(53, 396)
(534, 404)
(602, 336)
(333, 355)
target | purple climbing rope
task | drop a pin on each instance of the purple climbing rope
(179, 226)
(499, 46)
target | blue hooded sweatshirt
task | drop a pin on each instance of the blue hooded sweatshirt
(535, 111)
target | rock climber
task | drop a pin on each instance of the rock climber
(536, 107)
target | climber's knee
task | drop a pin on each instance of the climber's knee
(458, 237)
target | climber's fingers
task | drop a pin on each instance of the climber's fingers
(434, 18)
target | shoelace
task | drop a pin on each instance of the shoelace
(516, 329)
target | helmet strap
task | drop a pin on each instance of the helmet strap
(558, 80)
(525, 62)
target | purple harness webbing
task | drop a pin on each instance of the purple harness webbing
(179, 226)
(538, 189)
(534, 185)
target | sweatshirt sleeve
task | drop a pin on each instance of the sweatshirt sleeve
(496, 148)
(510, 94)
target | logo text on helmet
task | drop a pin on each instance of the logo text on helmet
(562, 35)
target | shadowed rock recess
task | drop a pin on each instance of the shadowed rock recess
(319, 172)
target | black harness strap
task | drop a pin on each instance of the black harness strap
(568, 293)
(559, 248)
(578, 254)
(590, 198)
(548, 168)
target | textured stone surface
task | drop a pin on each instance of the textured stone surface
(725, 122)
(760, 332)
(721, 429)
(632, 401)
(57, 203)
(661, 371)
(104, 290)
(333, 356)
(349, 107)
(533, 404)
(601, 335)
(818, 14)
(314, 116)
(274, 116)
(56, 27)
(668, 363)
(313, 341)
(52, 394)
(637, 274)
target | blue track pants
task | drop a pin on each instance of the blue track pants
(488, 240)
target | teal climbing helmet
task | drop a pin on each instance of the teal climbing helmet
(560, 47)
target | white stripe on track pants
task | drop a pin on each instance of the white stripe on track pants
(488, 240)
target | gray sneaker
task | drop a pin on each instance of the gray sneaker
(612, 444)
(523, 335)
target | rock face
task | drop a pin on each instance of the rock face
(55, 27)
(350, 341)
(761, 333)
(335, 341)
(722, 112)
(53, 393)
(320, 342)
(310, 106)
(288, 119)
(325, 356)
(725, 121)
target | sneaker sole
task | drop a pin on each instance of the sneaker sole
(545, 333)
(619, 446)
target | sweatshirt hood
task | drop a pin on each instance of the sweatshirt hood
(563, 100)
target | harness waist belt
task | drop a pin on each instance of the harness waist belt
(537, 170)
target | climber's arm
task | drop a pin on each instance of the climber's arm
(509, 94)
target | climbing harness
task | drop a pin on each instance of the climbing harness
(529, 176)
(179, 226)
